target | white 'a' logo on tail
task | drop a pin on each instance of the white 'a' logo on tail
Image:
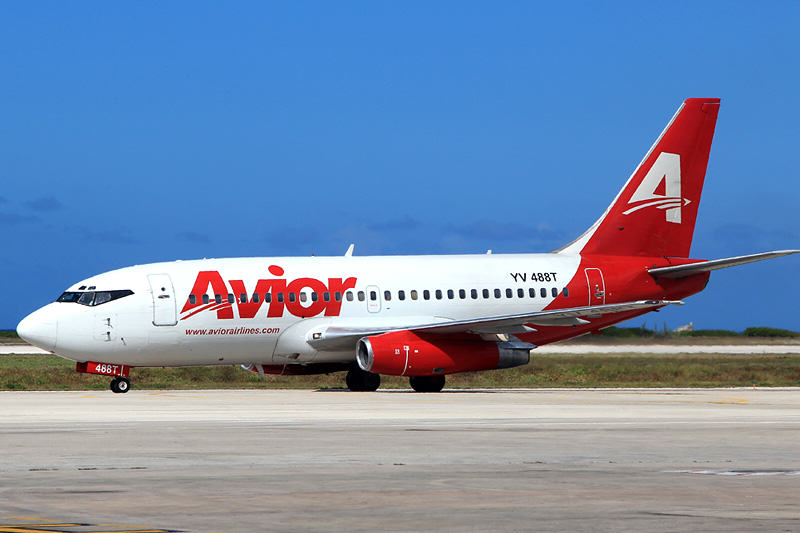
(666, 169)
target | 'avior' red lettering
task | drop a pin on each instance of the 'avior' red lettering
(278, 289)
(205, 279)
(314, 308)
(337, 285)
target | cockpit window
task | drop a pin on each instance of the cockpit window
(102, 297)
(93, 298)
(69, 297)
(87, 298)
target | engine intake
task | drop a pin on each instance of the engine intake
(404, 353)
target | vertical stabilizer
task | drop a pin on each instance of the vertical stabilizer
(655, 212)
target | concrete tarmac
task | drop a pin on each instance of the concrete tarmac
(522, 460)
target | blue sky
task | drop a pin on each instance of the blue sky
(150, 131)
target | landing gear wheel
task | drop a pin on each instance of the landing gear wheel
(427, 383)
(361, 381)
(120, 385)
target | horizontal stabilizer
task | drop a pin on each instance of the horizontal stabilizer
(681, 271)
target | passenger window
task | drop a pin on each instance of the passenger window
(303, 297)
(450, 294)
(314, 296)
(243, 298)
(267, 297)
(326, 296)
(474, 293)
(485, 293)
(373, 295)
(520, 293)
(337, 296)
(497, 293)
(205, 298)
(192, 299)
(509, 293)
(543, 292)
(280, 297)
(565, 292)
(532, 292)
(361, 296)
(438, 294)
(554, 292)
(230, 298)
(462, 293)
(387, 295)
(401, 295)
(349, 296)
(426, 294)
(413, 295)
(255, 297)
(218, 298)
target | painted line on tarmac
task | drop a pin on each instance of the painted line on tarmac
(29, 524)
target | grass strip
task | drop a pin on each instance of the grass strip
(47, 372)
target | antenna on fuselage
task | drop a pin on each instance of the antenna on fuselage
(349, 252)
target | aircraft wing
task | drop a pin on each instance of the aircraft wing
(680, 271)
(339, 338)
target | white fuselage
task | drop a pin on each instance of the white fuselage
(160, 324)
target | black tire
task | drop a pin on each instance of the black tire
(427, 383)
(120, 385)
(361, 381)
(124, 385)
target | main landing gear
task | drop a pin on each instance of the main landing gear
(362, 381)
(120, 384)
(427, 383)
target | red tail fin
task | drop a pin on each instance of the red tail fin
(654, 214)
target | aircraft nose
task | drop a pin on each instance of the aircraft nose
(40, 329)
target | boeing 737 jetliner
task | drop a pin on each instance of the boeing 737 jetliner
(418, 316)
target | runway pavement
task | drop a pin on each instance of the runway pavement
(545, 460)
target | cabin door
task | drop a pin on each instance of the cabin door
(164, 310)
(597, 287)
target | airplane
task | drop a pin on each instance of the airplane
(422, 317)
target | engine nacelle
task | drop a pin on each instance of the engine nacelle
(404, 353)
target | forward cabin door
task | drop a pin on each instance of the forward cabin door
(164, 310)
(597, 287)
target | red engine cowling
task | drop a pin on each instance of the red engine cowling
(404, 353)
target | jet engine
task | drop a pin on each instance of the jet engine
(405, 353)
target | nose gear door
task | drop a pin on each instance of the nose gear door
(164, 310)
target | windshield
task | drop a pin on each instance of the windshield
(93, 298)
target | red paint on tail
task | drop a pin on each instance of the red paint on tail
(655, 213)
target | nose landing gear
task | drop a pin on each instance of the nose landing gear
(120, 384)
(119, 372)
